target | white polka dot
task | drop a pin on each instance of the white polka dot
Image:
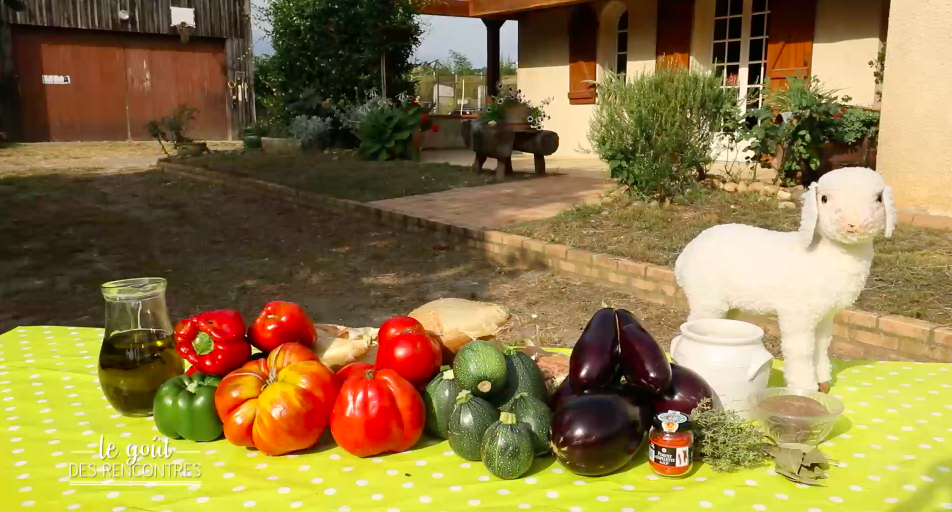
(466, 465)
(750, 482)
(407, 485)
(859, 455)
(855, 488)
(26, 489)
(780, 496)
(376, 497)
(552, 494)
(249, 504)
(201, 499)
(425, 499)
(74, 506)
(532, 480)
(342, 508)
(925, 446)
(272, 478)
(909, 487)
(23, 476)
(891, 500)
(392, 472)
(579, 482)
(874, 478)
(361, 483)
(944, 469)
(892, 468)
(228, 475)
(330, 491)
(474, 503)
(677, 488)
(909, 457)
(729, 492)
(483, 478)
(304, 468)
(703, 504)
(376, 460)
(158, 497)
(421, 463)
(297, 504)
(219, 464)
(347, 469)
(628, 487)
(28, 503)
(654, 498)
(448, 453)
(238, 488)
(334, 456)
(946, 506)
(503, 491)
(836, 499)
(927, 479)
(455, 488)
(651, 477)
(317, 480)
(759, 507)
(525, 506)
(437, 475)
(284, 490)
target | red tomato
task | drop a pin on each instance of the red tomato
(358, 369)
(398, 325)
(378, 414)
(279, 323)
(415, 356)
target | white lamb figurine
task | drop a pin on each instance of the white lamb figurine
(803, 277)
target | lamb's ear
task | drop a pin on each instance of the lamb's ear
(808, 216)
(890, 207)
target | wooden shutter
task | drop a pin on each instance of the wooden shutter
(675, 23)
(790, 40)
(583, 45)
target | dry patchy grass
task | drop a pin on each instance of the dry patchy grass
(911, 274)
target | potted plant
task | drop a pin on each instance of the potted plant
(172, 129)
(515, 111)
(252, 134)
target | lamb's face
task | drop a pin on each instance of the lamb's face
(852, 205)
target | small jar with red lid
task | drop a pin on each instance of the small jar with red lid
(671, 444)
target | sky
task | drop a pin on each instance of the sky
(441, 34)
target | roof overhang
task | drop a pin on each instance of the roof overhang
(489, 8)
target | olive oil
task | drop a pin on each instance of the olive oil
(132, 366)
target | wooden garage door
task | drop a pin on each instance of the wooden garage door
(117, 82)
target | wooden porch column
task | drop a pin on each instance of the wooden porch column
(492, 56)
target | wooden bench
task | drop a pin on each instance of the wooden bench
(500, 141)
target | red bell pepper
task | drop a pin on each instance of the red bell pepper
(214, 342)
(279, 323)
(377, 413)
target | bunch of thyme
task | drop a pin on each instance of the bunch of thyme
(726, 441)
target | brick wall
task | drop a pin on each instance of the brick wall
(856, 334)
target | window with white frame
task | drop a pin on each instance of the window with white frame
(739, 51)
(621, 45)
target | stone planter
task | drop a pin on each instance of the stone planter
(191, 149)
(252, 141)
(280, 145)
(517, 116)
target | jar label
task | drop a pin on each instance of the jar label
(672, 457)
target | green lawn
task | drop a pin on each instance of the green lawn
(911, 274)
(343, 175)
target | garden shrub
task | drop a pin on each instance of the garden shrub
(311, 130)
(657, 131)
(810, 117)
(386, 130)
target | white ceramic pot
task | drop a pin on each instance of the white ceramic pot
(729, 354)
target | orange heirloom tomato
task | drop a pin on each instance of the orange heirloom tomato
(280, 404)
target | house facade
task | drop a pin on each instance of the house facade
(101, 69)
(564, 45)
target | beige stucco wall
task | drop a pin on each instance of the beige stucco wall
(916, 128)
(846, 38)
(544, 61)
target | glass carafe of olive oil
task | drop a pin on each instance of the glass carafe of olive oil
(138, 349)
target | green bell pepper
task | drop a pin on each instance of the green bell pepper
(184, 407)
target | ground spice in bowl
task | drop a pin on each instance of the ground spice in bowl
(793, 405)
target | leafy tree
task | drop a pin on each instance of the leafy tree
(333, 47)
(457, 64)
(508, 66)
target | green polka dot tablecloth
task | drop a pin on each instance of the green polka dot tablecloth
(894, 453)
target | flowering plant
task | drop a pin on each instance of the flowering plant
(510, 96)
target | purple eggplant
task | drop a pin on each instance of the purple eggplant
(642, 360)
(596, 434)
(594, 361)
(686, 390)
(562, 392)
(625, 318)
